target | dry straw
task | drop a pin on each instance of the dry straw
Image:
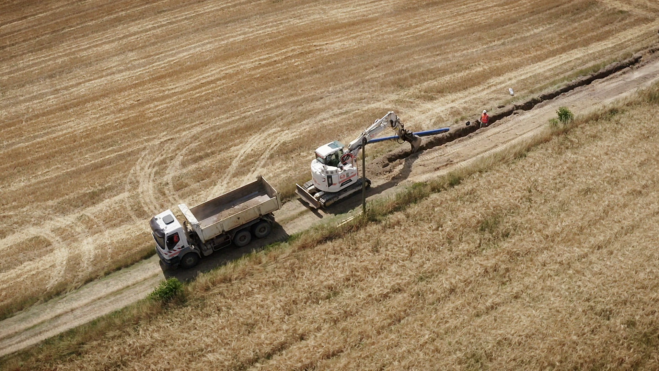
(542, 258)
(113, 115)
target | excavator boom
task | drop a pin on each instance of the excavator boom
(389, 120)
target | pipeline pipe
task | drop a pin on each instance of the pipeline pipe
(432, 132)
(425, 133)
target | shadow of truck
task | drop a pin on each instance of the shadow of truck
(225, 255)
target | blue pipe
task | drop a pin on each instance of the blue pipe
(432, 132)
(377, 140)
(418, 134)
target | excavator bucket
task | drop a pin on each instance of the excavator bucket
(306, 196)
(414, 141)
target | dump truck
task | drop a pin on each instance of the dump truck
(232, 218)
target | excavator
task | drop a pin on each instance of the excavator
(334, 170)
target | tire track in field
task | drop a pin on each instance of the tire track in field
(82, 242)
(56, 260)
(251, 145)
(143, 174)
(184, 144)
(88, 243)
(146, 174)
(79, 242)
(63, 250)
(141, 180)
(257, 168)
(59, 257)
(58, 222)
(174, 170)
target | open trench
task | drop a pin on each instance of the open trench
(637, 60)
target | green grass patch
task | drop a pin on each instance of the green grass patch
(168, 291)
(565, 116)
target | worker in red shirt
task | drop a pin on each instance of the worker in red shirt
(485, 119)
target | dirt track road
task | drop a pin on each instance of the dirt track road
(133, 283)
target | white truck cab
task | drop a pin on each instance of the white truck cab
(170, 236)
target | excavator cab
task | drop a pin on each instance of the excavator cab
(330, 154)
(333, 159)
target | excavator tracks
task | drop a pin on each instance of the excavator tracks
(327, 199)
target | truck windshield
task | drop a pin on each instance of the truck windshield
(159, 240)
(158, 233)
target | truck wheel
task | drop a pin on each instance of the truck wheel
(189, 260)
(262, 229)
(242, 238)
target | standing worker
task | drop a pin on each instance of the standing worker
(485, 119)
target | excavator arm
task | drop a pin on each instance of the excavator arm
(389, 120)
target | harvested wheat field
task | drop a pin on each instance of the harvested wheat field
(112, 112)
(545, 258)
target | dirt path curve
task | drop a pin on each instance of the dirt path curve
(128, 285)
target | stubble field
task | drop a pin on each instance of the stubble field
(544, 259)
(112, 112)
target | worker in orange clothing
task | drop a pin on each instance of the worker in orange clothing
(485, 119)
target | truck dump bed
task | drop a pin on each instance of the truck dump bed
(232, 209)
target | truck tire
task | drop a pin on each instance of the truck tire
(189, 260)
(242, 238)
(262, 229)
